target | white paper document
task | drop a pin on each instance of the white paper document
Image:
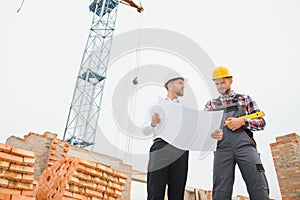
(186, 128)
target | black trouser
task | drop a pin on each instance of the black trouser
(167, 166)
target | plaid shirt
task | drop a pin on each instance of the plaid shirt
(248, 105)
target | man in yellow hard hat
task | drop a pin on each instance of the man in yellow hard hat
(237, 145)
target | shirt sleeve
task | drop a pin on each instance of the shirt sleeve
(147, 128)
(208, 106)
(253, 124)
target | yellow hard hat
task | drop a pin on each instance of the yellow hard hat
(220, 72)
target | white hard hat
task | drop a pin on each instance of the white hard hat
(173, 76)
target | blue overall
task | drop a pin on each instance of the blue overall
(237, 147)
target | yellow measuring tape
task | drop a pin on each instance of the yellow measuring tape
(250, 116)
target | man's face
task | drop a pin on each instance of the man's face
(223, 85)
(177, 87)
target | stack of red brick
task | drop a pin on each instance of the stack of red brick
(38, 167)
(16, 173)
(74, 178)
(241, 197)
(199, 194)
(286, 157)
(205, 194)
(47, 148)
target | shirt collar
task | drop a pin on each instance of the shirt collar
(230, 95)
(174, 100)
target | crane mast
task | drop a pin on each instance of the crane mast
(84, 111)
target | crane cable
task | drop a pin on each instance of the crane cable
(133, 100)
(20, 6)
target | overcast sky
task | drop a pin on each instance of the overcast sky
(42, 45)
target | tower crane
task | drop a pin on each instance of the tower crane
(84, 111)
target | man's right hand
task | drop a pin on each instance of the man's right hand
(155, 119)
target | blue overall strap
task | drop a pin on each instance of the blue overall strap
(234, 107)
(249, 132)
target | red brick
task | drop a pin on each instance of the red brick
(84, 184)
(74, 180)
(29, 161)
(9, 191)
(5, 196)
(28, 178)
(55, 141)
(109, 177)
(35, 182)
(93, 193)
(118, 193)
(95, 198)
(67, 194)
(88, 163)
(54, 157)
(83, 176)
(51, 163)
(11, 158)
(109, 198)
(68, 198)
(22, 152)
(103, 182)
(49, 134)
(3, 182)
(74, 188)
(110, 191)
(4, 164)
(79, 196)
(95, 179)
(29, 193)
(115, 186)
(82, 168)
(19, 197)
(10, 175)
(121, 175)
(5, 148)
(53, 147)
(101, 188)
(122, 181)
(20, 186)
(21, 169)
(104, 168)
(94, 172)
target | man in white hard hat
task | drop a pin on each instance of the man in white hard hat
(168, 165)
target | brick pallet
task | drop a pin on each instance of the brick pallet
(16, 173)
